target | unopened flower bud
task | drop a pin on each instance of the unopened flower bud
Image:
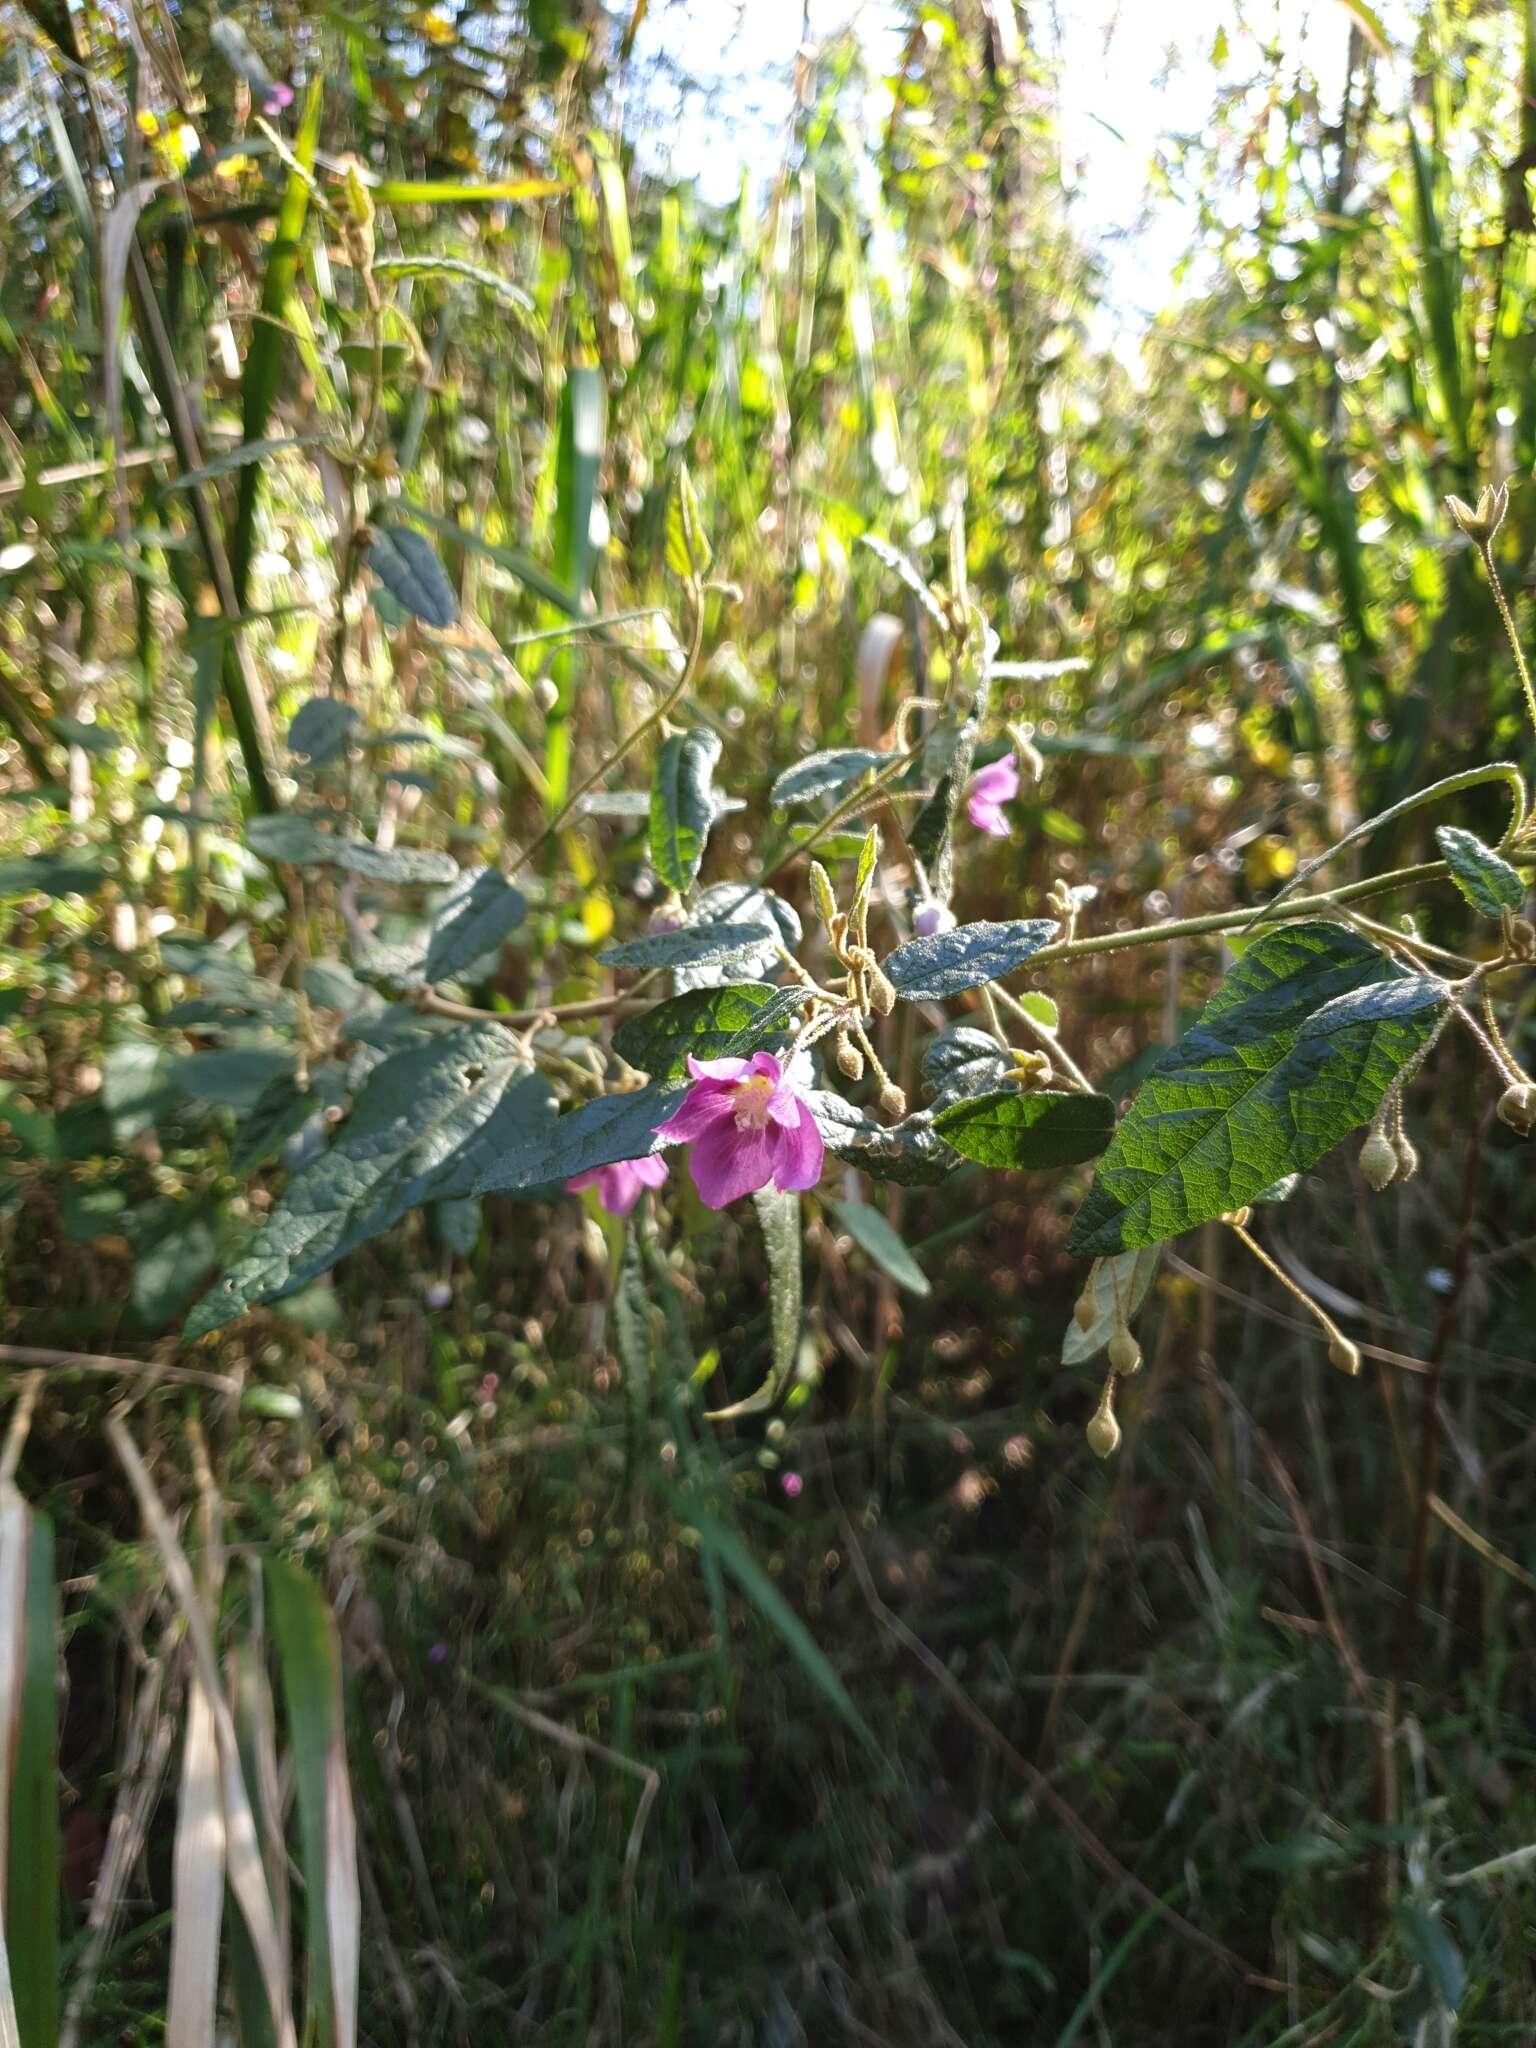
(1482, 524)
(930, 918)
(1522, 938)
(1379, 1161)
(1343, 1354)
(1103, 1432)
(1032, 1069)
(1085, 1313)
(882, 997)
(1517, 1107)
(1407, 1156)
(1124, 1352)
(545, 695)
(850, 1061)
(892, 1101)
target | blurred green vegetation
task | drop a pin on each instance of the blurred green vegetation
(896, 1719)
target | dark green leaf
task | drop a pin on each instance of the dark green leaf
(51, 874)
(964, 1061)
(949, 963)
(320, 728)
(1425, 1937)
(95, 739)
(690, 946)
(1487, 881)
(284, 837)
(709, 1023)
(477, 916)
(261, 451)
(405, 866)
(167, 1272)
(740, 903)
(599, 1133)
(1026, 1132)
(234, 1080)
(458, 1223)
(406, 563)
(821, 774)
(282, 1109)
(683, 806)
(779, 1215)
(427, 1126)
(877, 1240)
(1295, 1050)
(910, 1153)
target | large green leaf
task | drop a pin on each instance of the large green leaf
(477, 916)
(427, 1126)
(1011, 1129)
(1488, 882)
(599, 1133)
(683, 806)
(949, 963)
(692, 945)
(706, 1022)
(1295, 1050)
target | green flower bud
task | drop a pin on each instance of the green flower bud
(1086, 1310)
(1378, 1160)
(1517, 1107)
(1482, 524)
(1103, 1432)
(1124, 1352)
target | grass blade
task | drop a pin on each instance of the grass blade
(309, 1656)
(32, 1908)
(197, 1884)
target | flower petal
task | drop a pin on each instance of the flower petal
(706, 1103)
(798, 1154)
(619, 1185)
(589, 1179)
(766, 1064)
(719, 1070)
(998, 782)
(726, 1163)
(650, 1172)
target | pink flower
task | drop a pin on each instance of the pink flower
(793, 1485)
(931, 918)
(748, 1126)
(618, 1186)
(991, 787)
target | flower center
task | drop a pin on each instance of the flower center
(752, 1100)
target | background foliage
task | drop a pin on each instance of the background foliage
(895, 1717)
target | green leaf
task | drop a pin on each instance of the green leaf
(683, 806)
(282, 836)
(167, 1272)
(1488, 882)
(459, 191)
(504, 289)
(949, 963)
(689, 553)
(879, 1241)
(95, 739)
(426, 1127)
(233, 1080)
(1041, 1008)
(910, 575)
(479, 913)
(740, 903)
(51, 874)
(723, 1544)
(282, 1109)
(458, 1223)
(821, 774)
(779, 1215)
(261, 450)
(1026, 1132)
(1425, 1937)
(1296, 1049)
(406, 867)
(406, 563)
(578, 459)
(597, 1134)
(910, 1153)
(692, 945)
(709, 1023)
(629, 1316)
(1117, 1288)
(964, 1061)
(320, 729)
(309, 1658)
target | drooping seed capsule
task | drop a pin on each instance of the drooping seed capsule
(1407, 1156)
(893, 1103)
(1379, 1162)
(850, 1061)
(1103, 1432)
(882, 997)
(1086, 1311)
(1517, 1107)
(1343, 1354)
(1124, 1352)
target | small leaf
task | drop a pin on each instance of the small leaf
(1296, 1049)
(1041, 1008)
(405, 866)
(458, 1223)
(406, 563)
(320, 728)
(599, 1133)
(281, 836)
(95, 739)
(1117, 1288)
(899, 565)
(504, 289)
(689, 553)
(740, 903)
(1027, 1132)
(964, 1061)
(50, 874)
(479, 913)
(863, 879)
(779, 1215)
(949, 963)
(263, 451)
(709, 1023)
(690, 946)
(879, 1241)
(910, 1153)
(1487, 881)
(821, 774)
(683, 806)
(1425, 1937)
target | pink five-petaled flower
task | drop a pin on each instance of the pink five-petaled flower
(618, 1186)
(991, 788)
(748, 1125)
(931, 919)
